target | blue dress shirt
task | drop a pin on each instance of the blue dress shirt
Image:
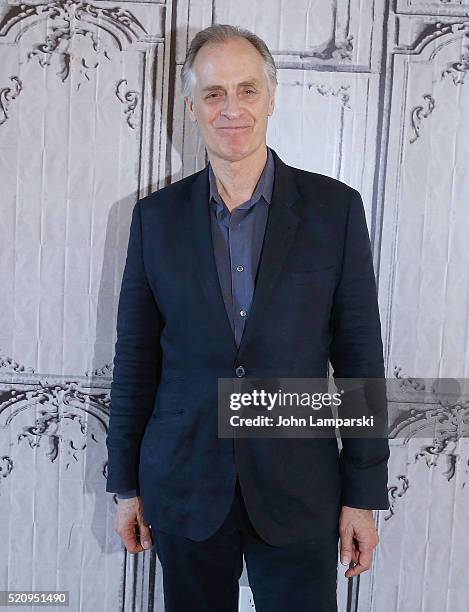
(237, 241)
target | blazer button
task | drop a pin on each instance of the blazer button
(240, 371)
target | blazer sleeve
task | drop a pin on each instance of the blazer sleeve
(356, 351)
(127, 494)
(137, 366)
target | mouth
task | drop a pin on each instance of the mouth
(235, 129)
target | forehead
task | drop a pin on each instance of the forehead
(235, 61)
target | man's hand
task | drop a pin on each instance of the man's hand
(358, 538)
(131, 526)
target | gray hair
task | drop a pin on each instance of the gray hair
(220, 33)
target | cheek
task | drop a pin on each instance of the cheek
(260, 112)
(210, 117)
(205, 115)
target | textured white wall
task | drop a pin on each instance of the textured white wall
(91, 118)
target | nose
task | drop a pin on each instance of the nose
(231, 106)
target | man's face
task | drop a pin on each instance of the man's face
(231, 101)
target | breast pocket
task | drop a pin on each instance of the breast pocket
(309, 277)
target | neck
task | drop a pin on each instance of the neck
(237, 180)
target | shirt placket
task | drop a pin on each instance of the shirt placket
(240, 272)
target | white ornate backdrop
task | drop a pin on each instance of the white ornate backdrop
(374, 93)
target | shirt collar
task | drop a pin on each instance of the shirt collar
(263, 188)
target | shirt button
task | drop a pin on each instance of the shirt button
(240, 268)
(240, 371)
(243, 313)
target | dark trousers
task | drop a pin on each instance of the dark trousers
(203, 576)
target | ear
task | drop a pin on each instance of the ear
(271, 105)
(190, 107)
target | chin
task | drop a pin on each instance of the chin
(236, 151)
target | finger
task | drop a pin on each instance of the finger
(355, 552)
(145, 535)
(346, 547)
(131, 540)
(364, 563)
(130, 535)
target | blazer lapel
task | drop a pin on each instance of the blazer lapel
(282, 223)
(198, 226)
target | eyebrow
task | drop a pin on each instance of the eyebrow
(251, 82)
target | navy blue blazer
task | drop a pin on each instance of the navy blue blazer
(315, 301)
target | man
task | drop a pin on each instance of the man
(252, 268)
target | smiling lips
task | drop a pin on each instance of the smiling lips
(235, 129)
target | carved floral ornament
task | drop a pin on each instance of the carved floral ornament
(52, 417)
(7, 94)
(456, 70)
(66, 21)
(52, 414)
(442, 414)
